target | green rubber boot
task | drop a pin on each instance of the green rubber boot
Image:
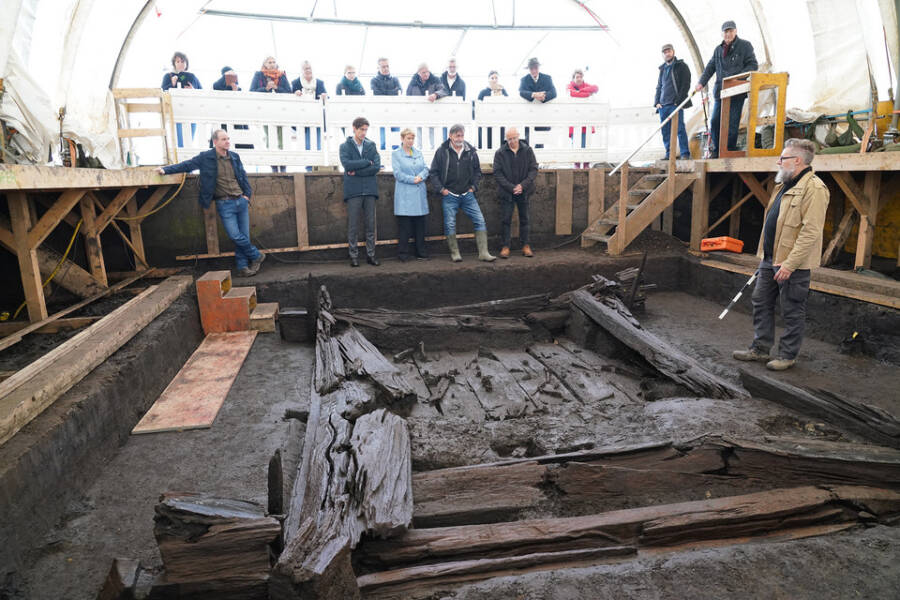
(454, 248)
(481, 242)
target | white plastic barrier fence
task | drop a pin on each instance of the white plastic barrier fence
(289, 130)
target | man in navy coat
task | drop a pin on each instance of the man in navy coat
(223, 179)
(537, 86)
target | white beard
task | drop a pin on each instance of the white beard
(781, 176)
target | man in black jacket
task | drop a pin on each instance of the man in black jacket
(731, 57)
(671, 90)
(452, 82)
(424, 83)
(455, 173)
(515, 168)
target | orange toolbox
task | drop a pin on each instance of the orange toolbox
(721, 243)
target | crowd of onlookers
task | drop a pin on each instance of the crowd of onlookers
(534, 87)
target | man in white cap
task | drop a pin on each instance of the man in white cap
(731, 57)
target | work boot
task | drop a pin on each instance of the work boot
(254, 265)
(751, 355)
(245, 272)
(454, 248)
(481, 242)
(526, 251)
(780, 364)
(504, 252)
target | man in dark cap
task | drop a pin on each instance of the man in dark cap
(671, 90)
(731, 57)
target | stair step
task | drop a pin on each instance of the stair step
(608, 222)
(264, 316)
(632, 206)
(596, 237)
(247, 292)
(214, 283)
(656, 176)
(639, 192)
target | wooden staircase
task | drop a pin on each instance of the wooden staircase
(647, 199)
(227, 308)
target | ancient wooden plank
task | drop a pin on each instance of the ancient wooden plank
(565, 180)
(497, 390)
(540, 383)
(204, 538)
(520, 305)
(870, 422)
(453, 497)
(612, 315)
(32, 389)
(196, 393)
(365, 359)
(456, 400)
(28, 263)
(748, 514)
(486, 567)
(583, 382)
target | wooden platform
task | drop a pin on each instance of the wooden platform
(868, 288)
(193, 398)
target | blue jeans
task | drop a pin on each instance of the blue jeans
(468, 204)
(683, 149)
(236, 219)
(734, 122)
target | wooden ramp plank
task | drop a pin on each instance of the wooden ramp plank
(193, 398)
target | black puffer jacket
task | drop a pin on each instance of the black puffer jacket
(470, 168)
(740, 59)
(512, 168)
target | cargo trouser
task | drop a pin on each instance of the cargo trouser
(792, 294)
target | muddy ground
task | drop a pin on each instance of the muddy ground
(114, 517)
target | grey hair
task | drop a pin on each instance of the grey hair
(422, 66)
(382, 59)
(806, 149)
(305, 64)
(456, 128)
(215, 135)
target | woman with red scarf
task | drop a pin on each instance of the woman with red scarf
(270, 78)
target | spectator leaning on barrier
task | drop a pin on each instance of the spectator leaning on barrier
(361, 163)
(350, 84)
(455, 173)
(410, 195)
(424, 83)
(222, 178)
(228, 81)
(537, 86)
(790, 245)
(452, 82)
(270, 78)
(180, 77)
(307, 85)
(385, 84)
(731, 57)
(671, 90)
(515, 169)
(494, 88)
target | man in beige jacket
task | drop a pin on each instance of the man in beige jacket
(789, 246)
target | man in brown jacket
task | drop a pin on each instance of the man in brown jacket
(789, 246)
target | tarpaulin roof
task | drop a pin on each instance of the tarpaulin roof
(57, 53)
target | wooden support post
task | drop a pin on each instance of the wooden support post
(623, 212)
(300, 210)
(134, 230)
(871, 193)
(212, 229)
(668, 216)
(92, 246)
(564, 183)
(839, 237)
(699, 206)
(27, 254)
(596, 194)
(734, 222)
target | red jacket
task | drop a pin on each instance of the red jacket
(584, 91)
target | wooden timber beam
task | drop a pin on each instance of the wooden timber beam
(700, 205)
(56, 213)
(153, 201)
(853, 191)
(871, 193)
(27, 255)
(758, 190)
(92, 247)
(109, 212)
(841, 233)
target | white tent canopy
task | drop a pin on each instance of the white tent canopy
(56, 53)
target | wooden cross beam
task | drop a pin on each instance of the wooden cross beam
(109, 212)
(758, 190)
(854, 193)
(56, 213)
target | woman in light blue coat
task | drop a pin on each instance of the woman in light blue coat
(410, 196)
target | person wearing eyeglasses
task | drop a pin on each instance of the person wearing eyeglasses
(790, 245)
